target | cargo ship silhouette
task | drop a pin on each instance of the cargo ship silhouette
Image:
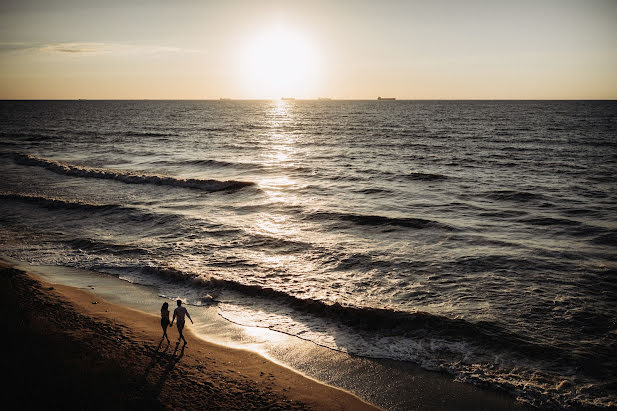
(386, 98)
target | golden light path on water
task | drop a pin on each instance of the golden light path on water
(280, 152)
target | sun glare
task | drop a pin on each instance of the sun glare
(279, 62)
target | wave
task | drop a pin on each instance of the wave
(134, 133)
(425, 176)
(503, 213)
(137, 214)
(579, 211)
(609, 238)
(125, 213)
(32, 136)
(378, 220)
(482, 353)
(98, 246)
(513, 195)
(385, 320)
(549, 221)
(127, 176)
(208, 163)
(371, 191)
(487, 263)
(369, 173)
(54, 202)
(261, 241)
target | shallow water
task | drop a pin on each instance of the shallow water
(476, 238)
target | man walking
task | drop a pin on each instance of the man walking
(179, 313)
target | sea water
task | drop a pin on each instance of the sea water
(476, 238)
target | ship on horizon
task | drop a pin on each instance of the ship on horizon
(386, 98)
(287, 98)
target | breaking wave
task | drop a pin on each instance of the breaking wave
(479, 353)
(387, 321)
(128, 176)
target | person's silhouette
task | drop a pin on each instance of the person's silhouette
(165, 320)
(179, 313)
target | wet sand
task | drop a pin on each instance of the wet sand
(70, 349)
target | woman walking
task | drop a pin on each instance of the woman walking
(165, 320)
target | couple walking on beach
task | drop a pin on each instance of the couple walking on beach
(179, 314)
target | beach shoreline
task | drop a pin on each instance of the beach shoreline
(302, 373)
(73, 349)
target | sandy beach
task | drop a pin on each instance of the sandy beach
(71, 349)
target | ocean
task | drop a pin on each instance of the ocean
(474, 238)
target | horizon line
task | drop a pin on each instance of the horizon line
(322, 99)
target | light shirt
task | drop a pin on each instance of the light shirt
(179, 313)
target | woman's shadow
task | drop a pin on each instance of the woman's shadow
(168, 361)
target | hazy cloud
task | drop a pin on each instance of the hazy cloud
(72, 48)
(95, 48)
(13, 46)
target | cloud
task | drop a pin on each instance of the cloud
(93, 48)
(111, 48)
(13, 47)
(75, 48)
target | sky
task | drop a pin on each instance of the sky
(150, 49)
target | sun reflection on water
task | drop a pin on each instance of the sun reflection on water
(277, 225)
(279, 152)
(280, 143)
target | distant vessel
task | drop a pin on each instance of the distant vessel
(225, 99)
(288, 98)
(324, 98)
(386, 98)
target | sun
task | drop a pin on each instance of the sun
(278, 62)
